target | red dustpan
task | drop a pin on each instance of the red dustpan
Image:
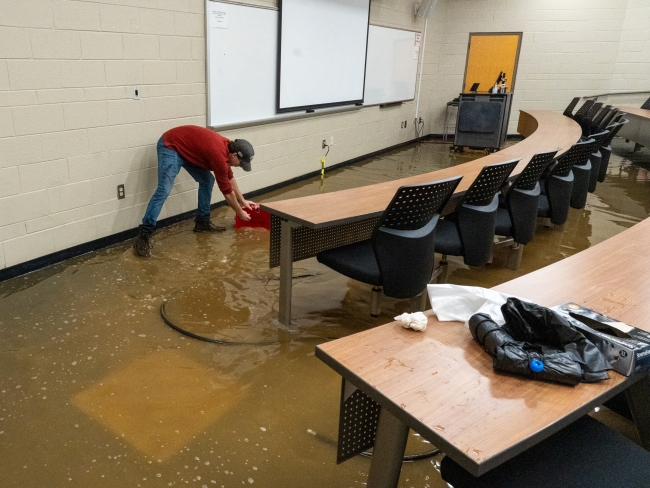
(259, 218)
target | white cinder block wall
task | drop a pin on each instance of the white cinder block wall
(70, 131)
(569, 48)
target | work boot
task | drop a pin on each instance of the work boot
(206, 226)
(142, 246)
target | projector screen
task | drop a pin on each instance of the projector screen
(322, 53)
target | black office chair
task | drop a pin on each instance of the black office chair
(581, 173)
(596, 158)
(469, 230)
(586, 453)
(606, 120)
(557, 186)
(598, 119)
(517, 212)
(606, 149)
(568, 111)
(400, 254)
(585, 122)
(646, 104)
(578, 116)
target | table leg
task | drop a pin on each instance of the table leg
(286, 271)
(638, 397)
(388, 452)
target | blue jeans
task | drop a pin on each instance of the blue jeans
(169, 165)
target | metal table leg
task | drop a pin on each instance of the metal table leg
(286, 271)
(388, 452)
(638, 397)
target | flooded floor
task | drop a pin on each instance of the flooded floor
(97, 391)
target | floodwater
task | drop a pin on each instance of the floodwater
(97, 391)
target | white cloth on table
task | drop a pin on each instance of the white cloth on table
(455, 302)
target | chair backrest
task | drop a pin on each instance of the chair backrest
(487, 183)
(597, 119)
(600, 139)
(403, 240)
(413, 206)
(583, 110)
(522, 198)
(529, 177)
(576, 155)
(586, 120)
(477, 212)
(607, 119)
(568, 111)
(646, 104)
(614, 130)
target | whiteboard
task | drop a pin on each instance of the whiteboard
(392, 65)
(242, 43)
(322, 52)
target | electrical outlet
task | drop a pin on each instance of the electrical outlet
(120, 192)
(324, 143)
(332, 141)
(136, 93)
(406, 123)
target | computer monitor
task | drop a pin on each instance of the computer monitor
(474, 87)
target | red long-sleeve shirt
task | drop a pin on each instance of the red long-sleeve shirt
(203, 148)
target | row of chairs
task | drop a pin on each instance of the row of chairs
(398, 259)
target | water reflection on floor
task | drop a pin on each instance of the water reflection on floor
(97, 391)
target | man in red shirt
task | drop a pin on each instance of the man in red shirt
(200, 151)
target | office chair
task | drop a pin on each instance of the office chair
(558, 185)
(568, 111)
(469, 230)
(517, 212)
(646, 104)
(606, 120)
(598, 119)
(398, 258)
(581, 173)
(582, 110)
(596, 158)
(581, 454)
(606, 149)
(585, 122)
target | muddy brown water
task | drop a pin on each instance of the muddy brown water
(97, 391)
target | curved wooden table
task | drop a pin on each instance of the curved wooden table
(638, 128)
(543, 131)
(441, 383)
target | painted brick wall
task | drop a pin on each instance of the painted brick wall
(70, 131)
(569, 48)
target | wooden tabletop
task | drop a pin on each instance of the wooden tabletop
(441, 383)
(641, 112)
(544, 131)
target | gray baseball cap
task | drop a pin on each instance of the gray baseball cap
(244, 151)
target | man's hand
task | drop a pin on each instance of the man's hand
(247, 204)
(243, 215)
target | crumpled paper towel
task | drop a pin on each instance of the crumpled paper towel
(455, 302)
(415, 321)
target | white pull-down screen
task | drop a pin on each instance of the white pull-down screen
(322, 53)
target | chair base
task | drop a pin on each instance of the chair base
(418, 302)
(515, 252)
(441, 273)
(375, 301)
(551, 225)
